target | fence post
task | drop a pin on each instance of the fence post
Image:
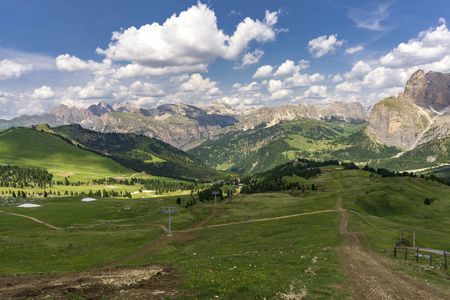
(445, 257)
(406, 252)
(431, 259)
(417, 255)
(395, 250)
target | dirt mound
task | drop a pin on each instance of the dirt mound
(144, 282)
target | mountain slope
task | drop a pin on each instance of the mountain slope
(245, 151)
(139, 152)
(33, 148)
(430, 154)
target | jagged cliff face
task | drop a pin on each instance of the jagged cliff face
(180, 124)
(415, 116)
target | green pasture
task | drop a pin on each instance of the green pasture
(292, 257)
(260, 260)
(30, 148)
(398, 202)
(86, 239)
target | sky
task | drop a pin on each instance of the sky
(246, 53)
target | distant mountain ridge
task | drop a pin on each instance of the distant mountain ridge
(180, 124)
(407, 131)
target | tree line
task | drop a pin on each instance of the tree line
(22, 177)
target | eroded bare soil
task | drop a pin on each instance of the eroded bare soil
(144, 282)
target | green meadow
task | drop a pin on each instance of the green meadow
(31, 148)
(295, 256)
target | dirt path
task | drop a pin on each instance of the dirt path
(259, 220)
(212, 215)
(31, 218)
(371, 277)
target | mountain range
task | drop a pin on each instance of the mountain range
(415, 121)
(181, 124)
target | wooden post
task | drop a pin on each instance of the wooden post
(431, 259)
(445, 257)
(395, 250)
(417, 255)
(406, 252)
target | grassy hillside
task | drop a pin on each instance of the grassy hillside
(251, 247)
(356, 147)
(140, 153)
(398, 202)
(32, 148)
(269, 146)
(432, 153)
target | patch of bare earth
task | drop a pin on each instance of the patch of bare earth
(370, 276)
(144, 282)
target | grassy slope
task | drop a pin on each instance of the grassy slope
(242, 260)
(398, 203)
(274, 145)
(153, 156)
(425, 155)
(33, 148)
(355, 147)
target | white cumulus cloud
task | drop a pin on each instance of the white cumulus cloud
(274, 86)
(430, 46)
(288, 68)
(316, 91)
(250, 58)
(10, 69)
(43, 92)
(197, 84)
(147, 89)
(359, 70)
(190, 39)
(323, 45)
(263, 72)
(68, 63)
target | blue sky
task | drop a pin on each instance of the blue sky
(244, 53)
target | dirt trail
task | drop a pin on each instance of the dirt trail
(260, 220)
(31, 218)
(371, 277)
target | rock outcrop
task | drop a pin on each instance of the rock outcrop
(415, 116)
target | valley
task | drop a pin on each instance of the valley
(310, 201)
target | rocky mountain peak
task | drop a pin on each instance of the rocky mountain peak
(127, 107)
(431, 90)
(220, 108)
(415, 88)
(407, 120)
(342, 111)
(100, 109)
